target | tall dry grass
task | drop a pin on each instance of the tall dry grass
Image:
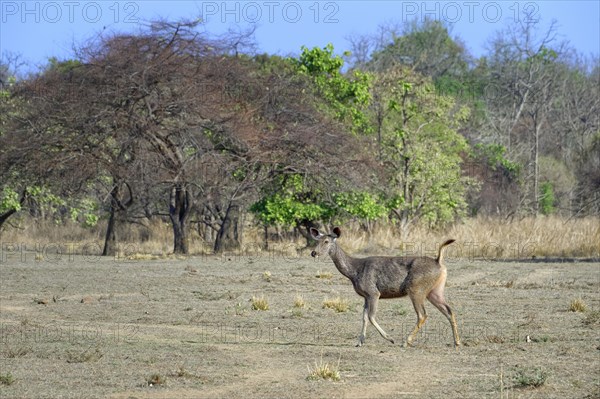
(487, 238)
(151, 238)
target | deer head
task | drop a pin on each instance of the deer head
(325, 242)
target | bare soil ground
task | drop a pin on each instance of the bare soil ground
(75, 327)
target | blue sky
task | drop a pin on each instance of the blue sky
(41, 29)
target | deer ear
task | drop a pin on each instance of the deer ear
(337, 231)
(314, 233)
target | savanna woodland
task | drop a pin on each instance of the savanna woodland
(198, 142)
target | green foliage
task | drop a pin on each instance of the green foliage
(290, 205)
(422, 150)
(54, 64)
(530, 377)
(41, 196)
(45, 198)
(9, 200)
(10, 106)
(85, 211)
(495, 156)
(45, 201)
(360, 204)
(556, 172)
(427, 47)
(347, 96)
(544, 56)
(547, 199)
(286, 210)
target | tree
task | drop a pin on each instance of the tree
(525, 76)
(309, 150)
(425, 46)
(126, 114)
(588, 185)
(32, 168)
(421, 150)
(346, 95)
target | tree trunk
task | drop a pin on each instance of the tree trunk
(117, 207)
(266, 237)
(4, 217)
(228, 237)
(179, 211)
(304, 227)
(536, 170)
(110, 240)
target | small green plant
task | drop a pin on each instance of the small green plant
(547, 199)
(7, 379)
(543, 338)
(526, 377)
(400, 310)
(324, 371)
(260, 303)
(338, 304)
(156, 379)
(577, 305)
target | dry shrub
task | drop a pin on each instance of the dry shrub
(338, 304)
(577, 305)
(260, 303)
(324, 371)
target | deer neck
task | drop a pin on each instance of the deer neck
(344, 263)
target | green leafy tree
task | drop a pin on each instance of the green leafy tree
(293, 205)
(427, 47)
(360, 205)
(495, 157)
(421, 150)
(346, 95)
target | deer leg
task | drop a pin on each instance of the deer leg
(417, 301)
(371, 311)
(365, 319)
(437, 299)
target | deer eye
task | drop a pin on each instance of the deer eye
(326, 241)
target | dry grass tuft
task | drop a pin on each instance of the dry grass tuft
(338, 304)
(577, 305)
(324, 371)
(324, 275)
(260, 303)
(266, 276)
(299, 302)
